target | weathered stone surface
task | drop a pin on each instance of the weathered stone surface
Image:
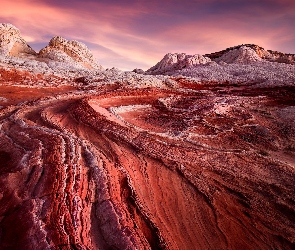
(241, 55)
(268, 55)
(71, 52)
(206, 167)
(11, 42)
(119, 160)
(177, 61)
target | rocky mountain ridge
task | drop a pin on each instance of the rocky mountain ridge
(240, 64)
(11, 42)
(72, 59)
(69, 54)
(241, 54)
(270, 55)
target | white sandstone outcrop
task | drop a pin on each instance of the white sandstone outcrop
(268, 55)
(243, 55)
(11, 42)
(69, 52)
(177, 61)
(71, 62)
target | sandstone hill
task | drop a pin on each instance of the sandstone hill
(241, 54)
(268, 55)
(70, 52)
(60, 53)
(178, 61)
(202, 157)
(240, 64)
(11, 42)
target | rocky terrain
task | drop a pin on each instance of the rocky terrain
(268, 55)
(241, 64)
(202, 157)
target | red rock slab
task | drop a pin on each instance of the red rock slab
(220, 178)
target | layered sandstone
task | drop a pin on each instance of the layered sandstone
(202, 167)
(268, 55)
(242, 55)
(11, 42)
(177, 61)
(118, 160)
(69, 52)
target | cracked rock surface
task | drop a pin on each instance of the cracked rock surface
(105, 159)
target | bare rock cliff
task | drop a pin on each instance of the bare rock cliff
(178, 61)
(242, 55)
(11, 42)
(268, 55)
(72, 52)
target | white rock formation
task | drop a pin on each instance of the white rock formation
(177, 61)
(65, 62)
(11, 42)
(243, 55)
(268, 55)
(262, 73)
(70, 52)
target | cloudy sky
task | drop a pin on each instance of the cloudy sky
(130, 34)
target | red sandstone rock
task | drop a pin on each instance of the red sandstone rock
(96, 172)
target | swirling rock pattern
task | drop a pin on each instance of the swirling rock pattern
(203, 166)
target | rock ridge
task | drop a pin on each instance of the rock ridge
(59, 53)
(61, 50)
(11, 42)
(269, 55)
(176, 61)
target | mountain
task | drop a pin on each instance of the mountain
(241, 54)
(241, 64)
(70, 52)
(59, 54)
(11, 42)
(177, 61)
(268, 55)
(201, 156)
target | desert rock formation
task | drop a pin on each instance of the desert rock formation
(70, 52)
(245, 54)
(242, 55)
(106, 159)
(177, 61)
(268, 55)
(11, 42)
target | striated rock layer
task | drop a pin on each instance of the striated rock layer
(70, 52)
(11, 42)
(105, 159)
(177, 61)
(268, 55)
(204, 166)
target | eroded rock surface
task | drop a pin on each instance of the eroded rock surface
(106, 159)
(177, 61)
(268, 55)
(70, 52)
(202, 167)
(242, 55)
(11, 42)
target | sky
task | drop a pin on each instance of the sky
(129, 34)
